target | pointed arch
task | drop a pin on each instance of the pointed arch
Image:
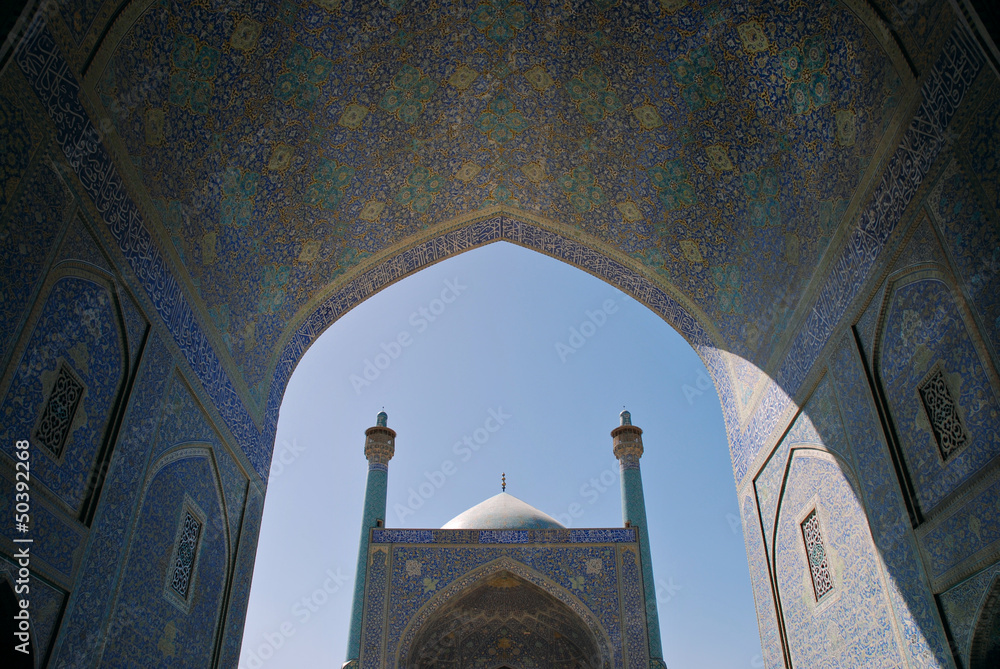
(429, 612)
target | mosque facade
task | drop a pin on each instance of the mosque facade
(191, 192)
(504, 584)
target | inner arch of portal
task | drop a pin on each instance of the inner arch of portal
(496, 600)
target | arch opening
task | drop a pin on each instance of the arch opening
(503, 620)
(556, 439)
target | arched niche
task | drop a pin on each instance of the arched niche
(829, 578)
(171, 594)
(502, 620)
(65, 390)
(512, 588)
(940, 393)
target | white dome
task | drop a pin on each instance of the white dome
(503, 512)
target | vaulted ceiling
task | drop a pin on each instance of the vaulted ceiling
(285, 144)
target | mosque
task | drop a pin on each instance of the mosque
(193, 191)
(489, 589)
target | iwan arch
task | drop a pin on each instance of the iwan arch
(192, 192)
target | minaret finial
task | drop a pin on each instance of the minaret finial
(503, 482)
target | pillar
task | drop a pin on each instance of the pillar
(380, 445)
(627, 440)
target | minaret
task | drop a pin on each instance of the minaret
(627, 439)
(380, 445)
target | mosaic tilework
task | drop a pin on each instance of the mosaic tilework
(974, 245)
(942, 414)
(982, 139)
(961, 604)
(211, 372)
(145, 623)
(78, 643)
(78, 246)
(585, 574)
(921, 248)
(46, 604)
(925, 333)
(18, 141)
(49, 74)
(963, 533)
(634, 512)
(632, 599)
(59, 411)
(27, 234)
(184, 421)
(77, 328)
(135, 326)
(220, 387)
(821, 423)
(611, 535)
(767, 621)
(79, 16)
(63, 540)
(868, 322)
(186, 551)
(482, 232)
(947, 83)
(561, 92)
(768, 483)
(374, 509)
(504, 620)
(915, 24)
(855, 626)
(819, 563)
(374, 621)
(914, 606)
(240, 594)
(818, 424)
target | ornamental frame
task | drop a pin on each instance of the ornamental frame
(825, 587)
(187, 509)
(937, 375)
(67, 375)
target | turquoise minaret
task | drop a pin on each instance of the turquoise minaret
(627, 439)
(380, 445)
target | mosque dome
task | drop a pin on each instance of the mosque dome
(502, 512)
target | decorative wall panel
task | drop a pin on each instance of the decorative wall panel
(926, 337)
(909, 590)
(853, 625)
(85, 623)
(78, 328)
(148, 622)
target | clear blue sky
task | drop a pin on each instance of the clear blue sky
(504, 343)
